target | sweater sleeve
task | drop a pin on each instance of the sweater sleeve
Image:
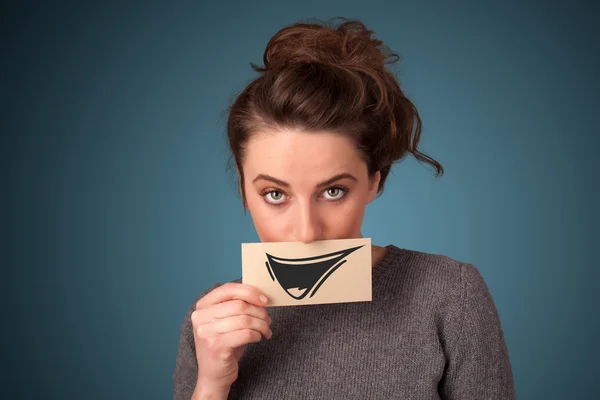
(478, 366)
(186, 365)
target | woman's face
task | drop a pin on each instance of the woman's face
(306, 186)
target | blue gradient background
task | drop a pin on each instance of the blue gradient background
(118, 210)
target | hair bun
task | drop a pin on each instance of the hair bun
(349, 44)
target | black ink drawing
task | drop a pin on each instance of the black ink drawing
(300, 276)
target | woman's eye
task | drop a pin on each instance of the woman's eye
(275, 197)
(334, 193)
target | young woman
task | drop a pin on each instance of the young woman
(314, 138)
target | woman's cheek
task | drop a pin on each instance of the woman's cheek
(269, 224)
(350, 219)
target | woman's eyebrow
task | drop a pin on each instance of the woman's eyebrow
(269, 178)
(325, 183)
(336, 178)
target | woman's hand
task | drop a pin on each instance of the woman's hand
(224, 322)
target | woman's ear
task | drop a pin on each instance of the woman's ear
(374, 186)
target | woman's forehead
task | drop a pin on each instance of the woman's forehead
(293, 149)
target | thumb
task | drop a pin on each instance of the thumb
(239, 352)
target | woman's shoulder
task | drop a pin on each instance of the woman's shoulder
(429, 262)
(429, 271)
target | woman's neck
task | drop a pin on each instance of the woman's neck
(377, 254)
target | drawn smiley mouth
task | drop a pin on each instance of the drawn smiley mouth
(301, 276)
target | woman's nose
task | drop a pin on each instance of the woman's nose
(307, 225)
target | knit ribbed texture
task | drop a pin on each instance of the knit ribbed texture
(431, 331)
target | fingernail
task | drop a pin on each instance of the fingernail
(270, 334)
(263, 299)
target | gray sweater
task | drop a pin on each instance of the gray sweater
(432, 331)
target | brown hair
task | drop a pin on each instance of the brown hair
(320, 77)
